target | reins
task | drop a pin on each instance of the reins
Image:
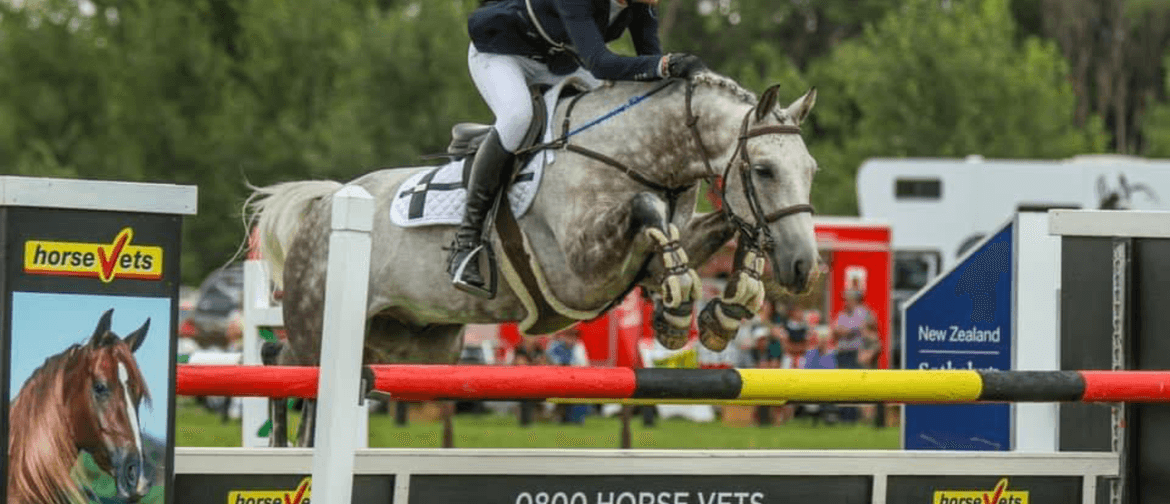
(562, 142)
(758, 234)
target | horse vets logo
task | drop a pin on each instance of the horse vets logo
(105, 261)
(999, 495)
(299, 495)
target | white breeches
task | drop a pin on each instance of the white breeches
(503, 80)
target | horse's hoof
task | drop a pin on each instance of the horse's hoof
(714, 342)
(670, 337)
(716, 328)
(672, 327)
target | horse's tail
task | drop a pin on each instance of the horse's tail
(276, 212)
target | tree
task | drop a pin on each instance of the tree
(949, 80)
(1114, 48)
(720, 31)
(220, 93)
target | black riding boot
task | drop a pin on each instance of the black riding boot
(488, 173)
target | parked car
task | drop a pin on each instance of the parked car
(215, 320)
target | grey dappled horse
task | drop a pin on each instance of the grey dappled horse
(615, 209)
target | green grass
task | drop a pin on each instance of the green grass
(197, 427)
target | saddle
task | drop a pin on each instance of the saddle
(466, 137)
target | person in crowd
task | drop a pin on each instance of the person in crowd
(848, 328)
(795, 337)
(761, 355)
(867, 358)
(532, 353)
(565, 349)
(754, 337)
(821, 355)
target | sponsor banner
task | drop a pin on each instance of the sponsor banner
(963, 321)
(272, 489)
(89, 297)
(54, 250)
(302, 494)
(629, 489)
(984, 489)
(105, 261)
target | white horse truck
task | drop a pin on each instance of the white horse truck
(938, 208)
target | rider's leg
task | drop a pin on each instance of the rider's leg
(502, 82)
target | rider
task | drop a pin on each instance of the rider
(509, 52)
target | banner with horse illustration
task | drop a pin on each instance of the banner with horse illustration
(87, 350)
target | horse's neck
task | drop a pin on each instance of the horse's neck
(41, 446)
(657, 141)
(720, 118)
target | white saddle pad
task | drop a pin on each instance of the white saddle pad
(437, 196)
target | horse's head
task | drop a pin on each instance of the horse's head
(768, 181)
(108, 389)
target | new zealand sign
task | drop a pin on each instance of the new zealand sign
(963, 321)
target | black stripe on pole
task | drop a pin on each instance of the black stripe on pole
(1032, 386)
(670, 383)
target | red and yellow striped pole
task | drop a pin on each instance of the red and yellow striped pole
(433, 382)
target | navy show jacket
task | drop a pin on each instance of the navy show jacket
(503, 27)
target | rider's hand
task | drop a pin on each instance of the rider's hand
(683, 65)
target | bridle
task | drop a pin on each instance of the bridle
(756, 235)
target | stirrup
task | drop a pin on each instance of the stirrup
(488, 292)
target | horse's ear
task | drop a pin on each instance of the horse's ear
(135, 339)
(767, 102)
(103, 327)
(800, 108)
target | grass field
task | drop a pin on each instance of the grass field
(196, 426)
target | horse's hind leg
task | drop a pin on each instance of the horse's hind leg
(388, 341)
(277, 407)
(391, 342)
(307, 430)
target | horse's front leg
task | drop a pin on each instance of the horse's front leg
(672, 277)
(741, 300)
(621, 239)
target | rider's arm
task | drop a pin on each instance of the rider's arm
(644, 30)
(595, 56)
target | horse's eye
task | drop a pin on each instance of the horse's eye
(763, 170)
(100, 388)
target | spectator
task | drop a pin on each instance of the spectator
(871, 346)
(821, 356)
(796, 325)
(760, 355)
(531, 351)
(867, 358)
(566, 349)
(795, 338)
(756, 333)
(848, 329)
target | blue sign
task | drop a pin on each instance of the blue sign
(963, 321)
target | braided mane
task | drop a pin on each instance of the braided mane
(712, 79)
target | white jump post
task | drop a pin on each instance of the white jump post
(258, 312)
(339, 395)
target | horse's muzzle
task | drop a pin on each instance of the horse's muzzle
(795, 274)
(131, 480)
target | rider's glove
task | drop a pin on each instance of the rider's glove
(682, 65)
